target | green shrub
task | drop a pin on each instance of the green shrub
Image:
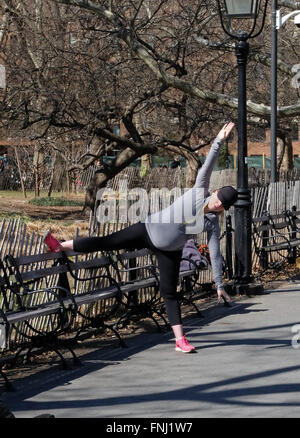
(55, 202)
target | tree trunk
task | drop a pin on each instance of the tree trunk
(146, 164)
(20, 172)
(285, 152)
(192, 167)
(68, 182)
(103, 175)
(50, 188)
(37, 168)
(146, 161)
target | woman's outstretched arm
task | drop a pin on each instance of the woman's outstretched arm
(204, 174)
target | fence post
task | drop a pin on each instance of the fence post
(292, 257)
(265, 239)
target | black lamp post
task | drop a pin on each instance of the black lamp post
(233, 13)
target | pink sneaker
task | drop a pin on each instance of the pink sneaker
(52, 243)
(183, 346)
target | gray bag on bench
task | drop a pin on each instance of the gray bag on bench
(191, 252)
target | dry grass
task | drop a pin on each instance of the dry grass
(39, 219)
(59, 229)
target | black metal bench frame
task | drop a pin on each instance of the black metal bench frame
(190, 288)
(21, 311)
(275, 234)
(134, 309)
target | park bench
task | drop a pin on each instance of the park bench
(3, 340)
(39, 307)
(46, 296)
(294, 217)
(276, 240)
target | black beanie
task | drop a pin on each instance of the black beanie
(228, 196)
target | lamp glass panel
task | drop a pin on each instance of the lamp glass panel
(241, 8)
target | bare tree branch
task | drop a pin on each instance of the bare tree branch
(171, 81)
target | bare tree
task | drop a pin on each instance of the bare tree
(160, 71)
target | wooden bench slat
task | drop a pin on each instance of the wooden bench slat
(49, 308)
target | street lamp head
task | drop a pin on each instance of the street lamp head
(280, 20)
(241, 8)
(297, 20)
(238, 10)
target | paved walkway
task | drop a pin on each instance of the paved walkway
(245, 366)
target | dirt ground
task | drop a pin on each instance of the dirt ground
(63, 220)
(23, 207)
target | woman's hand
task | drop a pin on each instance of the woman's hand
(225, 131)
(223, 295)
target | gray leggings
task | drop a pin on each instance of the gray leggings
(136, 237)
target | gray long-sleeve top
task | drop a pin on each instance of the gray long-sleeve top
(170, 228)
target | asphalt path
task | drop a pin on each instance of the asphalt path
(246, 364)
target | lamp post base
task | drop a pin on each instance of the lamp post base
(248, 288)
